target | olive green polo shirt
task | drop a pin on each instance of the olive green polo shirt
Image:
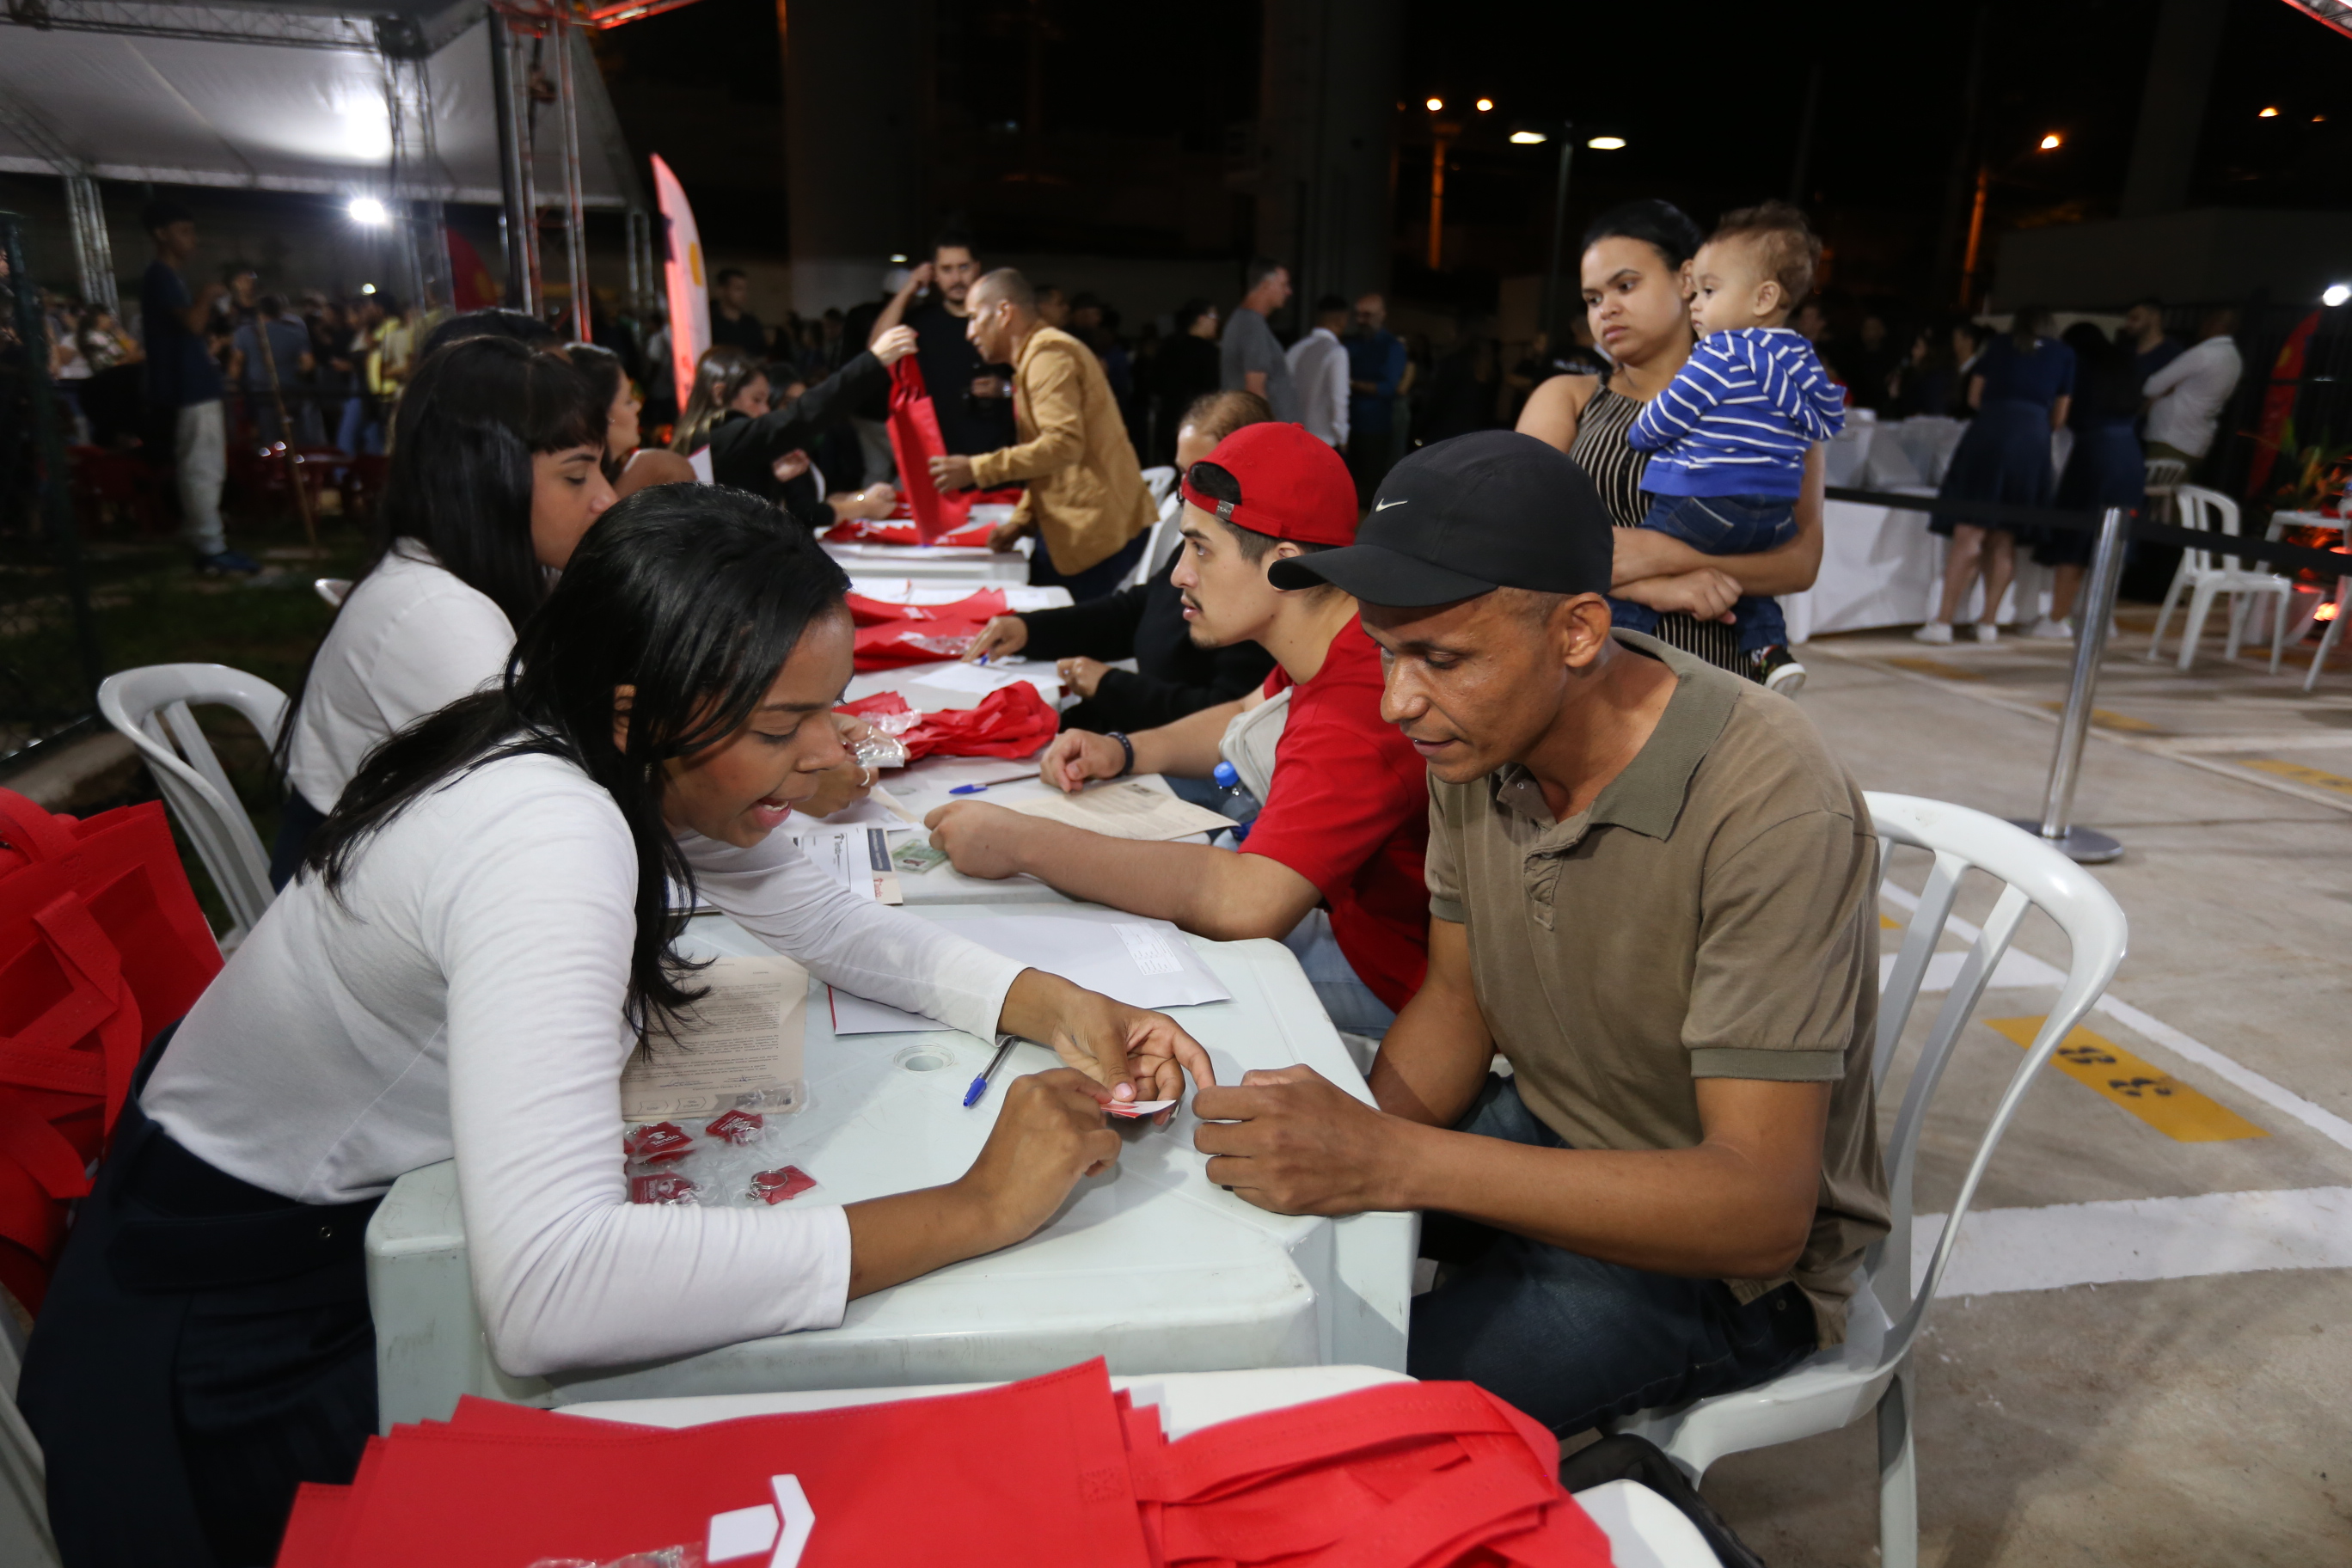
(1713, 914)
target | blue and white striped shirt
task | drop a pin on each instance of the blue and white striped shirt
(1738, 418)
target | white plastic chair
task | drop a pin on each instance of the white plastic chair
(1871, 1370)
(2204, 574)
(150, 707)
(2160, 478)
(1172, 505)
(2336, 611)
(1161, 480)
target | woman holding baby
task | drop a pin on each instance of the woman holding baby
(1638, 288)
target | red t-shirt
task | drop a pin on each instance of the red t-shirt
(1349, 810)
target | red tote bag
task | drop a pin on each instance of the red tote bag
(101, 944)
(915, 441)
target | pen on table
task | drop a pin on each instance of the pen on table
(978, 785)
(980, 1085)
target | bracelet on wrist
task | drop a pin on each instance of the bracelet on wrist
(1126, 746)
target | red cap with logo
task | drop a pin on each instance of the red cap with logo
(1291, 485)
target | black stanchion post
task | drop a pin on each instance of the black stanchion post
(2098, 610)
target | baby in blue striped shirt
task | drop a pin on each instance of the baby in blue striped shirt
(1731, 430)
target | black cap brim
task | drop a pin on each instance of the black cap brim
(1376, 576)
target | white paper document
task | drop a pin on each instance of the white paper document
(1142, 962)
(743, 1039)
(1126, 809)
(856, 855)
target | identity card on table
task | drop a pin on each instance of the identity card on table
(1142, 962)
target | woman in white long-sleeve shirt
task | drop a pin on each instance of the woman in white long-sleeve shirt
(479, 939)
(496, 470)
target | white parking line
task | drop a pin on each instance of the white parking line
(2326, 1124)
(2139, 1239)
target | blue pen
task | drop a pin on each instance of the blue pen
(980, 1085)
(984, 784)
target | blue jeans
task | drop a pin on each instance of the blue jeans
(1721, 525)
(1353, 1008)
(1574, 1341)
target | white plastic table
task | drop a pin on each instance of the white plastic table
(1644, 1529)
(1148, 1264)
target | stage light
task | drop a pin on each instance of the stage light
(1527, 138)
(898, 258)
(1435, 104)
(2334, 294)
(2269, 111)
(369, 211)
(1485, 104)
(2051, 142)
(367, 288)
(1607, 144)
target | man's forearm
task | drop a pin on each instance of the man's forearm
(1210, 891)
(1699, 1211)
(891, 315)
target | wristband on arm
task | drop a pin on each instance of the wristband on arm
(1129, 747)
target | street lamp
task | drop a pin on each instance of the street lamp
(369, 211)
(2334, 294)
(2051, 142)
(1607, 144)
(1535, 133)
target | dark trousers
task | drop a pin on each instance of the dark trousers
(1574, 1341)
(205, 1348)
(1102, 577)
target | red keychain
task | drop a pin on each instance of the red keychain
(737, 1127)
(780, 1185)
(662, 1141)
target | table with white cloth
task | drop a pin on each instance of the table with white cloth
(1148, 1264)
(1644, 1529)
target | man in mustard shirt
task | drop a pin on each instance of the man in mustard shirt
(1086, 500)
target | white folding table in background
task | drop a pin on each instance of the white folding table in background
(1644, 1529)
(1148, 1264)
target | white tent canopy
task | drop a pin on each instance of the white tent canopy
(282, 97)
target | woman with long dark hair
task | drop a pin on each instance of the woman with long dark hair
(496, 470)
(765, 449)
(1637, 292)
(2020, 388)
(479, 938)
(628, 465)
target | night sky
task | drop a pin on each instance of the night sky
(1142, 104)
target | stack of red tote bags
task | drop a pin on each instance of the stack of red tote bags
(891, 635)
(1055, 1472)
(1010, 721)
(101, 944)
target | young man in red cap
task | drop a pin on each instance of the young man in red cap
(1333, 862)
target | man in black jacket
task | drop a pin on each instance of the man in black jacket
(768, 455)
(1146, 623)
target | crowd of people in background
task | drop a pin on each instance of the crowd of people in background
(274, 363)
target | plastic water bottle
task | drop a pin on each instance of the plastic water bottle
(1234, 799)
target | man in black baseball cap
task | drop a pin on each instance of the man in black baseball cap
(1651, 889)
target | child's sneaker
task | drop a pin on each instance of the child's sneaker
(1934, 632)
(1777, 669)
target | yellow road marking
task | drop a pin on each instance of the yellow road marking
(2106, 720)
(2318, 778)
(2148, 1092)
(1936, 667)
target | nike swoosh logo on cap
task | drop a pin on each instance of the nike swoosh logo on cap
(1384, 505)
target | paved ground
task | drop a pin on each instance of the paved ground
(2143, 1353)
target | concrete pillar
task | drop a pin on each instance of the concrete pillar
(2172, 106)
(1326, 118)
(854, 114)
